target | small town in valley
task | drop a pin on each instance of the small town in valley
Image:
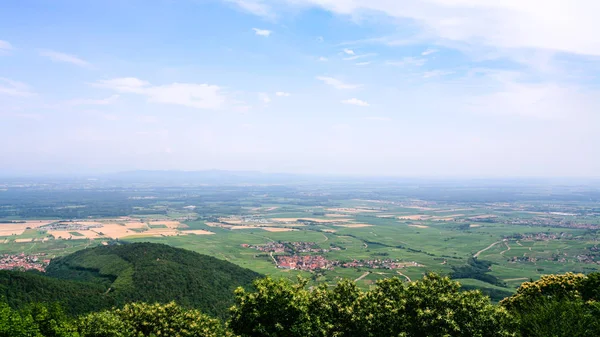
(24, 262)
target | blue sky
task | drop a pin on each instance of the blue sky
(407, 88)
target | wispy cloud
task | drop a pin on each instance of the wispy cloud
(348, 51)
(264, 97)
(407, 61)
(282, 94)
(503, 24)
(380, 119)
(338, 84)
(363, 63)
(199, 96)
(262, 32)
(5, 46)
(104, 101)
(429, 52)
(15, 88)
(437, 73)
(65, 58)
(323, 59)
(256, 7)
(356, 57)
(355, 101)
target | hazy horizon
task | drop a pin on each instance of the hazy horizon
(428, 88)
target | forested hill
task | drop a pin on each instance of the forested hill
(114, 275)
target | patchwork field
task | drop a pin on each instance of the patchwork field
(368, 233)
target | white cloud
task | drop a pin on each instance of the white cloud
(14, 88)
(322, 59)
(356, 57)
(568, 26)
(436, 73)
(380, 119)
(363, 63)
(282, 94)
(104, 101)
(262, 32)
(264, 98)
(407, 61)
(349, 51)
(5, 46)
(125, 85)
(429, 52)
(355, 101)
(338, 84)
(256, 7)
(199, 96)
(62, 57)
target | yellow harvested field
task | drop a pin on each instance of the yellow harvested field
(88, 234)
(418, 226)
(87, 223)
(197, 232)
(309, 219)
(239, 227)
(23, 240)
(8, 229)
(355, 225)
(135, 225)
(277, 229)
(352, 210)
(329, 230)
(473, 225)
(169, 224)
(114, 231)
(414, 217)
(336, 215)
(486, 216)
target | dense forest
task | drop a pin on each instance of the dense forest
(556, 305)
(105, 276)
(136, 290)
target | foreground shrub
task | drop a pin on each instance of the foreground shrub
(557, 305)
(142, 319)
(433, 306)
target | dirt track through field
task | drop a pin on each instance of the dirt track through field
(400, 273)
(507, 248)
(362, 276)
(486, 248)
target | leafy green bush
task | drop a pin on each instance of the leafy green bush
(142, 319)
(433, 306)
(558, 305)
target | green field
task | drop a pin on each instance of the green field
(431, 231)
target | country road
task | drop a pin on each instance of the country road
(400, 273)
(362, 276)
(488, 247)
(507, 248)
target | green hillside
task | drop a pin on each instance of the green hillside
(113, 275)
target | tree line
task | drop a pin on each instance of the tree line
(555, 305)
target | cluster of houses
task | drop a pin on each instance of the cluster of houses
(379, 264)
(303, 262)
(291, 247)
(24, 262)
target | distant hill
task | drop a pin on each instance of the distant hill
(105, 276)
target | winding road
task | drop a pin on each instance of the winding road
(488, 247)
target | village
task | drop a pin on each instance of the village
(24, 262)
(291, 247)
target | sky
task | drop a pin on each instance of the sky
(465, 88)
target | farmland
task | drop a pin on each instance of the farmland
(486, 236)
